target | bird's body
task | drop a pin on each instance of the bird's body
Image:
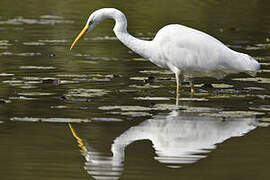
(183, 50)
(192, 51)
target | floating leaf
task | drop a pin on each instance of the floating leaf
(264, 119)
(254, 88)
(52, 120)
(261, 108)
(6, 75)
(264, 70)
(125, 108)
(51, 17)
(138, 78)
(164, 107)
(199, 109)
(193, 99)
(87, 92)
(37, 67)
(263, 96)
(152, 98)
(132, 113)
(33, 43)
(59, 107)
(233, 114)
(222, 86)
(139, 59)
(258, 79)
(21, 98)
(103, 119)
(31, 78)
(36, 94)
(3, 101)
(156, 72)
(28, 87)
(146, 86)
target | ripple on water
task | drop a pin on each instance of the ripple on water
(38, 67)
(104, 38)
(46, 16)
(54, 41)
(33, 43)
(19, 54)
(21, 20)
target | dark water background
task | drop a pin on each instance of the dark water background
(127, 125)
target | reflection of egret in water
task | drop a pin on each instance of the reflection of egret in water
(177, 139)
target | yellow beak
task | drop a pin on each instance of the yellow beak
(79, 36)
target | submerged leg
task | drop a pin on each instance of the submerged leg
(191, 87)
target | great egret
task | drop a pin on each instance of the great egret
(183, 50)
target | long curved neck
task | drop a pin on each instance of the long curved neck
(139, 46)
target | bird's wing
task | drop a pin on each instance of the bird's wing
(192, 50)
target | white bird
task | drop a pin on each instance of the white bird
(185, 51)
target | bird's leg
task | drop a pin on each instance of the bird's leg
(177, 88)
(191, 87)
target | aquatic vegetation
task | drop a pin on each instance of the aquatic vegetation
(33, 43)
(138, 78)
(37, 67)
(153, 98)
(59, 107)
(193, 99)
(233, 114)
(256, 79)
(4, 101)
(49, 120)
(130, 113)
(156, 72)
(139, 59)
(36, 94)
(146, 86)
(86, 92)
(264, 108)
(222, 86)
(6, 75)
(125, 108)
(22, 98)
(103, 119)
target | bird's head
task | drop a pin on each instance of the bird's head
(95, 18)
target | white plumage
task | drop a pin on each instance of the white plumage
(183, 50)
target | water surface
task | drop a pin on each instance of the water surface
(121, 108)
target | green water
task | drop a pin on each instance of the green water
(125, 124)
